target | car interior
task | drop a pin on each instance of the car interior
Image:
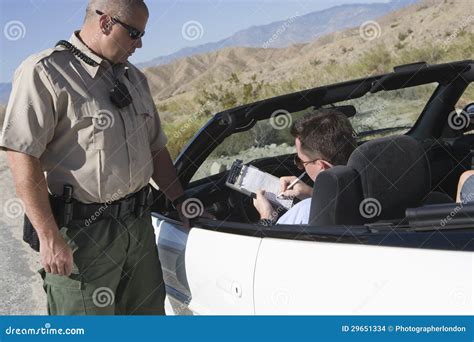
(413, 175)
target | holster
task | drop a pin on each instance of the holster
(29, 233)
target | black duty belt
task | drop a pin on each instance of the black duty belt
(66, 211)
(133, 204)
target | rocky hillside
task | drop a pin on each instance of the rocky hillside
(296, 28)
(189, 90)
(428, 22)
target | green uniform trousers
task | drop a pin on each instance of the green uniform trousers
(116, 270)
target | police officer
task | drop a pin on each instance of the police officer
(83, 115)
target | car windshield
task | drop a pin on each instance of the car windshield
(381, 114)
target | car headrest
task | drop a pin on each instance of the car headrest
(336, 196)
(394, 174)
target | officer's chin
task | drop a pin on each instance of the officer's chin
(124, 59)
(119, 59)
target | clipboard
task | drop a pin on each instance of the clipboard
(248, 179)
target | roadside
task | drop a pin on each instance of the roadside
(22, 292)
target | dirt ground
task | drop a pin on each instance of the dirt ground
(21, 286)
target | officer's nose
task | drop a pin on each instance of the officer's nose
(139, 43)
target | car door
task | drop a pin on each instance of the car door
(321, 278)
(206, 271)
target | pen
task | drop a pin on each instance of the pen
(292, 184)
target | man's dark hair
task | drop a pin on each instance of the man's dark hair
(325, 134)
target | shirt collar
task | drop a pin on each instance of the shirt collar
(92, 70)
(119, 69)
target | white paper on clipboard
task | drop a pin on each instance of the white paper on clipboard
(251, 179)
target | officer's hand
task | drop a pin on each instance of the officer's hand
(208, 215)
(184, 216)
(299, 190)
(56, 255)
(192, 211)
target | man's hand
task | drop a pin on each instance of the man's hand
(31, 188)
(300, 190)
(263, 206)
(183, 217)
(56, 254)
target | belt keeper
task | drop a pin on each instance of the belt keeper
(68, 205)
(141, 202)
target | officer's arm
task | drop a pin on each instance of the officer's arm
(166, 178)
(32, 189)
(165, 175)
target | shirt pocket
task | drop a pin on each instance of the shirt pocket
(145, 122)
(94, 126)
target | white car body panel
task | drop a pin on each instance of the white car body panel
(219, 269)
(221, 275)
(316, 278)
(230, 274)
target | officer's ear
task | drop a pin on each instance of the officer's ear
(105, 23)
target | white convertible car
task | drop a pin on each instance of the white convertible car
(385, 235)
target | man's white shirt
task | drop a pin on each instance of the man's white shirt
(298, 214)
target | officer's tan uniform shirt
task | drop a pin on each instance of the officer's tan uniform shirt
(60, 112)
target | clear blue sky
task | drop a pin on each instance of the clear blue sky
(41, 23)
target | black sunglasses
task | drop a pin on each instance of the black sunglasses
(132, 31)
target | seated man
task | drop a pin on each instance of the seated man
(323, 138)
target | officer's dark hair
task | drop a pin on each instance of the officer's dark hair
(115, 8)
(325, 134)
